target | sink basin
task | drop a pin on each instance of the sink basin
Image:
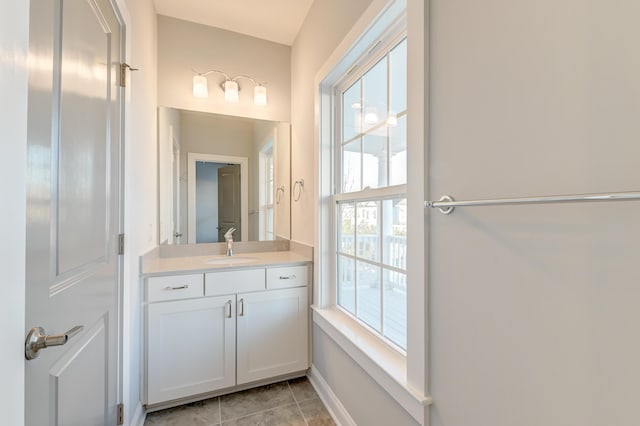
(230, 260)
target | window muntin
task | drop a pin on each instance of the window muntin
(371, 264)
(371, 203)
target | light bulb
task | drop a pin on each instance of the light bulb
(371, 115)
(231, 91)
(200, 89)
(260, 95)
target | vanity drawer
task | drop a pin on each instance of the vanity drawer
(287, 276)
(229, 282)
(174, 287)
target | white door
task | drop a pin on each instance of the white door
(190, 347)
(229, 201)
(272, 333)
(73, 207)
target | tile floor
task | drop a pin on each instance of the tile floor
(292, 402)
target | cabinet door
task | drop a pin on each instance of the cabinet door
(190, 347)
(272, 333)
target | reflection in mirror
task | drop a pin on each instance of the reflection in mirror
(216, 172)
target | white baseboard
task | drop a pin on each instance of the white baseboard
(139, 416)
(330, 400)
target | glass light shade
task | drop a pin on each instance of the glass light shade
(260, 95)
(371, 115)
(200, 89)
(231, 91)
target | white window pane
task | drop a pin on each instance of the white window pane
(394, 223)
(367, 231)
(374, 160)
(398, 152)
(347, 283)
(351, 164)
(395, 307)
(351, 112)
(374, 91)
(368, 294)
(398, 78)
(347, 218)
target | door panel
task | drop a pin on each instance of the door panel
(229, 201)
(75, 373)
(272, 333)
(190, 347)
(73, 209)
(83, 148)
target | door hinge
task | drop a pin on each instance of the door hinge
(120, 414)
(123, 73)
(121, 244)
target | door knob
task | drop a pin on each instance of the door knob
(177, 234)
(38, 339)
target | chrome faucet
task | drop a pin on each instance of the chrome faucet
(228, 237)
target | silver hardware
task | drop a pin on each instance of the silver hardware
(177, 234)
(181, 287)
(287, 277)
(241, 310)
(300, 185)
(120, 414)
(278, 196)
(229, 309)
(38, 339)
(228, 236)
(121, 244)
(123, 73)
(446, 204)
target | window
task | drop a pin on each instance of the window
(371, 192)
(266, 225)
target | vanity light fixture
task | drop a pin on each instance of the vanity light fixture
(230, 87)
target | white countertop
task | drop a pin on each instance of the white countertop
(189, 264)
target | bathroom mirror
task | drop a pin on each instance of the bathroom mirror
(216, 172)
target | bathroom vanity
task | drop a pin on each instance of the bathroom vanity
(215, 324)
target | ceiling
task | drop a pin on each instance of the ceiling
(274, 20)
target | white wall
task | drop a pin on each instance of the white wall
(168, 134)
(366, 402)
(282, 177)
(204, 133)
(534, 309)
(311, 49)
(14, 36)
(141, 233)
(363, 398)
(185, 46)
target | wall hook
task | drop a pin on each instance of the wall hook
(300, 185)
(278, 195)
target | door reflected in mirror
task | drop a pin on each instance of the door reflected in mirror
(216, 172)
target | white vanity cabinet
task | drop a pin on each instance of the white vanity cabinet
(190, 347)
(215, 330)
(271, 333)
(272, 325)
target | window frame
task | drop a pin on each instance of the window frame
(380, 50)
(405, 378)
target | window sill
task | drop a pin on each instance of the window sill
(382, 363)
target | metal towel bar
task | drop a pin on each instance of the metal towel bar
(447, 204)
